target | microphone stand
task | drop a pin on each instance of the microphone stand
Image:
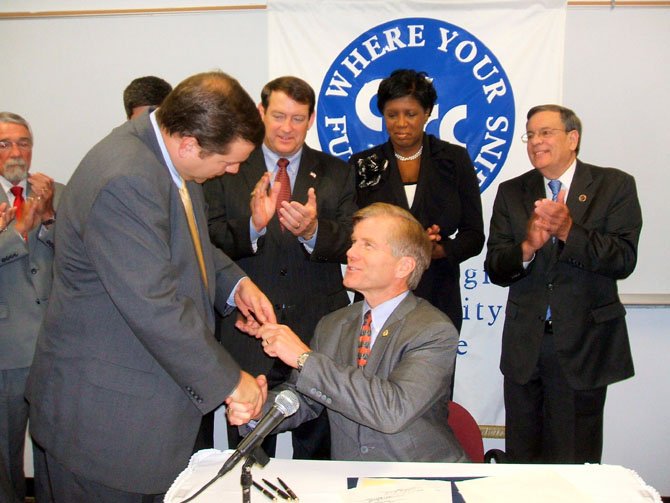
(257, 456)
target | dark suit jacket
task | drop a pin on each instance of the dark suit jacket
(395, 409)
(302, 286)
(447, 194)
(577, 278)
(25, 276)
(126, 361)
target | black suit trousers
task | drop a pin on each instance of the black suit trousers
(547, 421)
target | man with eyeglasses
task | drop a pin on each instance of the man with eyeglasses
(561, 236)
(27, 213)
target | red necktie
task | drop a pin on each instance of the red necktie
(285, 190)
(364, 340)
(18, 200)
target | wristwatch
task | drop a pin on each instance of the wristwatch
(302, 359)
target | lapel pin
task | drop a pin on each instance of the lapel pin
(582, 198)
(312, 174)
(385, 333)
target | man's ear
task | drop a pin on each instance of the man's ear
(405, 267)
(187, 146)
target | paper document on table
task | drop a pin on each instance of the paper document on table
(398, 491)
(545, 486)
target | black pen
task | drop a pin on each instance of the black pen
(264, 491)
(288, 489)
(276, 489)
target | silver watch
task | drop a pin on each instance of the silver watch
(302, 359)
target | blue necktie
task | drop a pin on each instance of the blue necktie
(555, 187)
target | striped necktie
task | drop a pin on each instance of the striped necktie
(364, 340)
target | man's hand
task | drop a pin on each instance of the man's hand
(435, 238)
(253, 304)
(536, 236)
(42, 194)
(263, 203)
(7, 213)
(282, 342)
(300, 219)
(554, 216)
(246, 401)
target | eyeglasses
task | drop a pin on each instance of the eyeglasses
(24, 145)
(543, 134)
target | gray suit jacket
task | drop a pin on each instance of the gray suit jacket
(395, 409)
(25, 276)
(126, 361)
(303, 287)
(577, 278)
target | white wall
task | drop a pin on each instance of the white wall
(66, 76)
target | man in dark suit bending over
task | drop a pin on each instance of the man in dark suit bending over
(561, 236)
(382, 367)
(126, 361)
(290, 235)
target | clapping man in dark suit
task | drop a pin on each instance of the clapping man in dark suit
(126, 361)
(382, 367)
(561, 236)
(290, 235)
(29, 201)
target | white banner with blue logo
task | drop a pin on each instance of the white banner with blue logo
(490, 62)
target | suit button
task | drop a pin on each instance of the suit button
(283, 272)
(33, 270)
(364, 449)
(37, 301)
(329, 400)
(312, 391)
(550, 286)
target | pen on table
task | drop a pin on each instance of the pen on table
(288, 489)
(276, 489)
(264, 491)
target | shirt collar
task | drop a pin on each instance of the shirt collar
(271, 159)
(565, 178)
(176, 177)
(382, 312)
(6, 184)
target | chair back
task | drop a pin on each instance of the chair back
(467, 432)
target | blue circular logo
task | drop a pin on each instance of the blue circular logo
(475, 104)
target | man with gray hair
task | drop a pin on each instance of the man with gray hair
(381, 367)
(28, 204)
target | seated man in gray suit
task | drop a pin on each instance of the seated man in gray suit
(381, 367)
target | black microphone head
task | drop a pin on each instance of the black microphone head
(287, 402)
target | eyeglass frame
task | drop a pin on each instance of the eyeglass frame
(24, 145)
(543, 133)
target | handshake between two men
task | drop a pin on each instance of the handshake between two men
(383, 366)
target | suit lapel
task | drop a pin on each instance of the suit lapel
(310, 174)
(351, 329)
(389, 332)
(581, 192)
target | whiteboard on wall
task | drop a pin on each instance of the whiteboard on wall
(617, 76)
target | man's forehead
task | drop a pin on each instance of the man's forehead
(10, 128)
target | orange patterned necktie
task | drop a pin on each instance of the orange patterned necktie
(364, 340)
(285, 189)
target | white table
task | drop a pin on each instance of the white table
(323, 481)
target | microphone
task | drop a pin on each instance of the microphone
(286, 404)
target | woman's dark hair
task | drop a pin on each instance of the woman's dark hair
(402, 83)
